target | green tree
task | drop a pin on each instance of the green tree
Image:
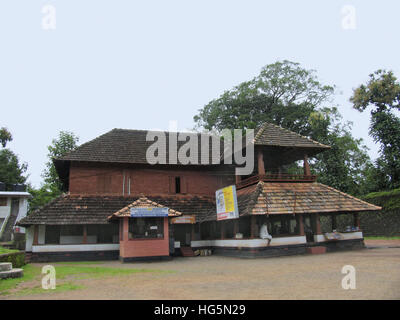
(51, 188)
(64, 143)
(290, 96)
(283, 93)
(11, 170)
(382, 94)
(5, 136)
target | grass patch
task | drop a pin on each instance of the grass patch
(66, 286)
(5, 250)
(66, 276)
(382, 238)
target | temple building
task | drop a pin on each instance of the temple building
(118, 206)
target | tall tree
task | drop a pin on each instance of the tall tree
(283, 93)
(51, 188)
(290, 96)
(382, 94)
(5, 136)
(64, 143)
(11, 170)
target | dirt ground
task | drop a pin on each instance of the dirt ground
(216, 277)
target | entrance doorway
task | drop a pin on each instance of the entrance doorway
(182, 233)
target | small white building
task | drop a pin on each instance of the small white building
(13, 207)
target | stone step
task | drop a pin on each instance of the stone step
(316, 250)
(14, 273)
(5, 266)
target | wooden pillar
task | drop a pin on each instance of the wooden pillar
(317, 224)
(193, 233)
(357, 220)
(222, 230)
(261, 166)
(235, 227)
(35, 235)
(121, 229)
(306, 166)
(238, 179)
(253, 226)
(334, 223)
(126, 228)
(84, 234)
(300, 220)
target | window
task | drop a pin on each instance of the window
(102, 233)
(177, 185)
(3, 202)
(146, 228)
(72, 230)
(52, 235)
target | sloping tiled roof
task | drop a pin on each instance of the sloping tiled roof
(291, 198)
(74, 209)
(142, 202)
(129, 146)
(272, 135)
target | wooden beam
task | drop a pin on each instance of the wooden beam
(357, 220)
(235, 227)
(253, 225)
(306, 166)
(238, 179)
(35, 235)
(334, 223)
(300, 220)
(193, 233)
(261, 165)
(84, 234)
(222, 230)
(317, 224)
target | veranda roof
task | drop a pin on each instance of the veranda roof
(95, 209)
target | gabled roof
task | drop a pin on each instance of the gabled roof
(142, 202)
(272, 135)
(130, 146)
(95, 209)
(293, 198)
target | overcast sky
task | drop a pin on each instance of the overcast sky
(139, 64)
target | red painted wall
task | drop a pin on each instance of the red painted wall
(90, 179)
(143, 248)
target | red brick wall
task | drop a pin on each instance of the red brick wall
(109, 180)
(143, 248)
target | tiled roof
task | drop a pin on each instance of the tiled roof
(130, 146)
(290, 198)
(74, 209)
(272, 135)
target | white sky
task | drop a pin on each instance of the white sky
(139, 64)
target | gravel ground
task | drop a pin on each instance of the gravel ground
(215, 277)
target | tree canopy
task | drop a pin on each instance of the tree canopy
(11, 170)
(51, 188)
(292, 97)
(382, 94)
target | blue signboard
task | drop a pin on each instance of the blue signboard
(149, 212)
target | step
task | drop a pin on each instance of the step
(5, 266)
(316, 250)
(14, 273)
(187, 252)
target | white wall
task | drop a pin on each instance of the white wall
(29, 238)
(5, 210)
(249, 243)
